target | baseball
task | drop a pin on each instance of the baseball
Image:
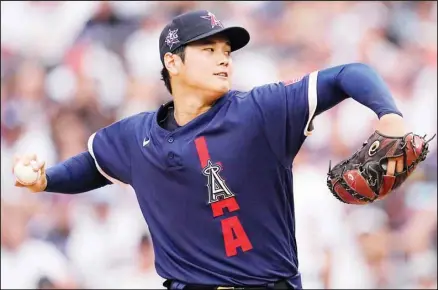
(25, 174)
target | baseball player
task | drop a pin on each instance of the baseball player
(212, 169)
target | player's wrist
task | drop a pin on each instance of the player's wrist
(392, 125)
(44, 182)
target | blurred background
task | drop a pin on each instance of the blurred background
(69, 68)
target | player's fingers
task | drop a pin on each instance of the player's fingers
(28, 158)
(18, 184)
(390, 170)
(36, 165)
(43, 168)
(400, 164)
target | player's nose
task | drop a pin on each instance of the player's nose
(224, 61)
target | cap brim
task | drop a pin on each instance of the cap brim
(238, 36)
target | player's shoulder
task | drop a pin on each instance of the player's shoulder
(242, 96)
(295, 85)
(139, 117)
(269, 88)
(134, 121)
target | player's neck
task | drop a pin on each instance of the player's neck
(190, 105)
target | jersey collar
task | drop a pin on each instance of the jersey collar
(198, 122)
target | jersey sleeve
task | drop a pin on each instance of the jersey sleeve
(286, 110)
(110, 148)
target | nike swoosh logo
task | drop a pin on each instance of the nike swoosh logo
(146, 141)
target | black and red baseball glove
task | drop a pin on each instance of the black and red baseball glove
(363, 178)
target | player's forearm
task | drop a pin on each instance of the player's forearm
(358, 81)
(75, 175)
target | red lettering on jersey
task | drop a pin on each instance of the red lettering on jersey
(232, 230)
(229, 203)
(234, 236)
(201, 147)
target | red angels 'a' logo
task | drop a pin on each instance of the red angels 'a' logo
(213, 20)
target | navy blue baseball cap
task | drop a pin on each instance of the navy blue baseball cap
(197, 25)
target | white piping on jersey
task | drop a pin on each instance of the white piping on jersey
(90, 149)
(312, 97)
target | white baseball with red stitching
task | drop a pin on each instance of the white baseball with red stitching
(25, 174)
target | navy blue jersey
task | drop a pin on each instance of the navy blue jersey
(217, 193)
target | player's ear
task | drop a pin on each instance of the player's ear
(173, 63)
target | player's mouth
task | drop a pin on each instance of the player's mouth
(222, 75)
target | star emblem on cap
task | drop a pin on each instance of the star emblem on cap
(213, 20)
(172, 38)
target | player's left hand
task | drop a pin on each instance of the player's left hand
(383, 163)
(392, 125)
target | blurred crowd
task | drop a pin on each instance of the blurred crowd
(70, 68)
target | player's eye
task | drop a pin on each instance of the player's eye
(228, 53)
(209, 49)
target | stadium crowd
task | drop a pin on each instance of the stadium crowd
(70, 68)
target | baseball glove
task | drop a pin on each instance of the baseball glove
(363, 177)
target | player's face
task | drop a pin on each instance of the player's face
(208, 66)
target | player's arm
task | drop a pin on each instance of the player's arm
(364, 85)
(286, 109)
(106, 161)
(75, 175)
(358, 81)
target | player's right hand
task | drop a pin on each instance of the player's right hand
(40, 166)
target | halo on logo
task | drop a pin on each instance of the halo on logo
(373, 148)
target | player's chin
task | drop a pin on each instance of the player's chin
(222, 87)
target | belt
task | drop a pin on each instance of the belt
(170, 284)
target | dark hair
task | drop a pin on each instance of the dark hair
(165, 77)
